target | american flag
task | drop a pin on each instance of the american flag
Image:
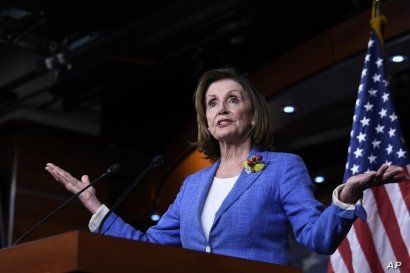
(382, 243)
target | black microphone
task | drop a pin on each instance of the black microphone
(114, 169)
(156, 162)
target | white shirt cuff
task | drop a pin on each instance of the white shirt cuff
(340, 204)
(97, 218)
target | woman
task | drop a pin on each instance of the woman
(246, 202)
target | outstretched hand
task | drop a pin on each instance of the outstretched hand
(88, 197)
(357, 184)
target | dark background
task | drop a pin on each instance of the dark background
(134, 64)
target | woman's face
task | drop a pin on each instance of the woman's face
(228, 111)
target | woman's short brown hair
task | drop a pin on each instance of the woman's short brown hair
(261, 133)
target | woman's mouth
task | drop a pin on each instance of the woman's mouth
(224, 122)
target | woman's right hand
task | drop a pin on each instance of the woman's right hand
(88, 197)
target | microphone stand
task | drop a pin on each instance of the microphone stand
(156, 161)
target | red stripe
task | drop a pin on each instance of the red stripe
(365, 239)
(346, 253)
(330, 268)
(405, 192)
(405, 188)
(391, 227)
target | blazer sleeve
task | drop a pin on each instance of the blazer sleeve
(166, 231)
(319, 229)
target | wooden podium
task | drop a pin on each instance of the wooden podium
(78, 251)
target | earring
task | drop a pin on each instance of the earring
(252, 123)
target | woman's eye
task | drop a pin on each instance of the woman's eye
(211, 103)
(234, 100)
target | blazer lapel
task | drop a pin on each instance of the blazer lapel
(245, 180)
(203, 189)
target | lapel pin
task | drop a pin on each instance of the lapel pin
(254, 164)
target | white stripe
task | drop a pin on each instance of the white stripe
(359, 262)
(338, 264)
(382, 244)
(400, 211)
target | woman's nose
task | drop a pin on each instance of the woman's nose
(223, 110)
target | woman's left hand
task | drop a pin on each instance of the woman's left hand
(356, 185)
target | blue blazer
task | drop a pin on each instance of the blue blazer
(254, 220)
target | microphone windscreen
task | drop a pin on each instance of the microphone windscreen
(157, 161)
(114, 169)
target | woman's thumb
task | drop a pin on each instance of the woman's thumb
(85, 179)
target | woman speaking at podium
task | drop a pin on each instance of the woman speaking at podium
(245, 204)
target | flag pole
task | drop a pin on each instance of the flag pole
(378, 20)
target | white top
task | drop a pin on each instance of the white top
(217, 193)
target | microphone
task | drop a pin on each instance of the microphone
(113, 170)
(156, 162)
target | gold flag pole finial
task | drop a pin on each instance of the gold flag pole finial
(377, 20)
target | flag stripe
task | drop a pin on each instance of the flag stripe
(359, 260)
(405, 192)
(391, 226)
(346, 255)
(366, 243)
(337, 263)
(383, 247)
(330, 268)
(400, 211)
(405, 189)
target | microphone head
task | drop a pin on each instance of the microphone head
(114, 169)
(157, 161)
